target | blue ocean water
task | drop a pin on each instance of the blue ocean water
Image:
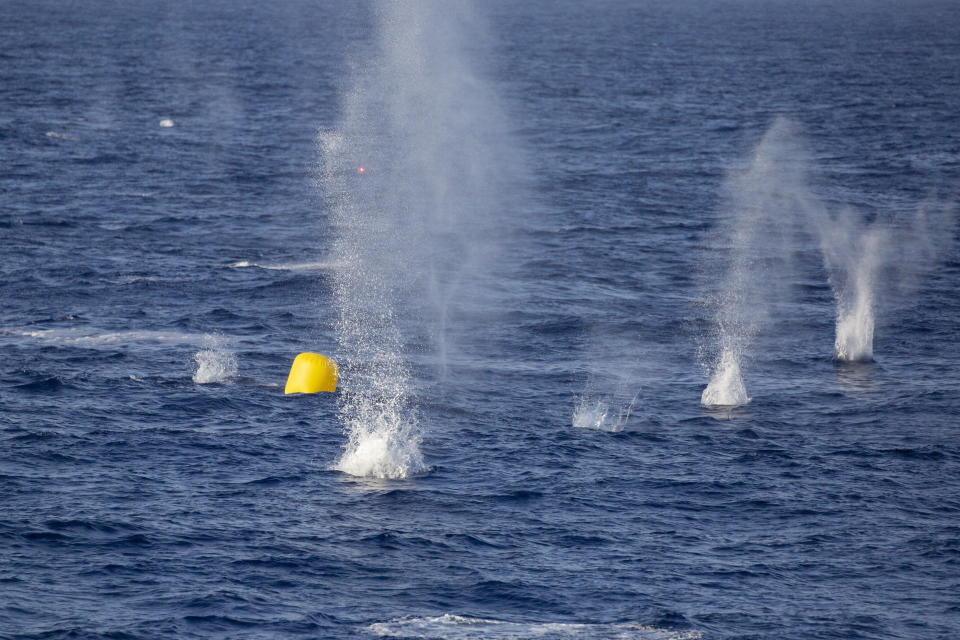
(179, 217)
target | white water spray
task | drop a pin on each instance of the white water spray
(726, 388)
(612, 387)
(411, 176)
(876, 263)
(852, 255)
(773, 202)
(766, 201)
(216, 361)
(604, 413)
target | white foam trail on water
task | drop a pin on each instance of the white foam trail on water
(291, 266)
(411, 178)
(91, 337)
(217, 363)
(453, 627)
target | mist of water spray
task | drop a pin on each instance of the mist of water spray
(852, 254)
(411, 177)
(603, 413)
(766, 201)
(774, 208)
(614, 365)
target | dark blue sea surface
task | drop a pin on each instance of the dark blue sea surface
(167, 247)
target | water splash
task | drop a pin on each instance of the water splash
(867, 268)
(767, 201)
(605, 413)
(411, 177)
(614, 366)
(776, 208)
(726, 388)
(852, 256)
(216, 362)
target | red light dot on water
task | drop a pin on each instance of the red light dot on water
(360, 169)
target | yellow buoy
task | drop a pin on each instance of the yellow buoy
(312, 372)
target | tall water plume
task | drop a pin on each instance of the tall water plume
(413, 178)
(774, 212)
(852, 256)
(766, 201)
(867, 268)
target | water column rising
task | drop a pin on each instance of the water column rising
(413, 177)
(767, 201)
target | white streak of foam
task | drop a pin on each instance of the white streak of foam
(453, 627)
(291, 266)
(91, 337)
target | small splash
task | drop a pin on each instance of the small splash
(216, 363)
(726, 388)
(602, 414)
(453, 627)
(59, 136)
(854, 340)
(166, 123)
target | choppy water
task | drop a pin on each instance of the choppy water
(589, 203)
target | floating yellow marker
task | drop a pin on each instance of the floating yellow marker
(312, 372)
